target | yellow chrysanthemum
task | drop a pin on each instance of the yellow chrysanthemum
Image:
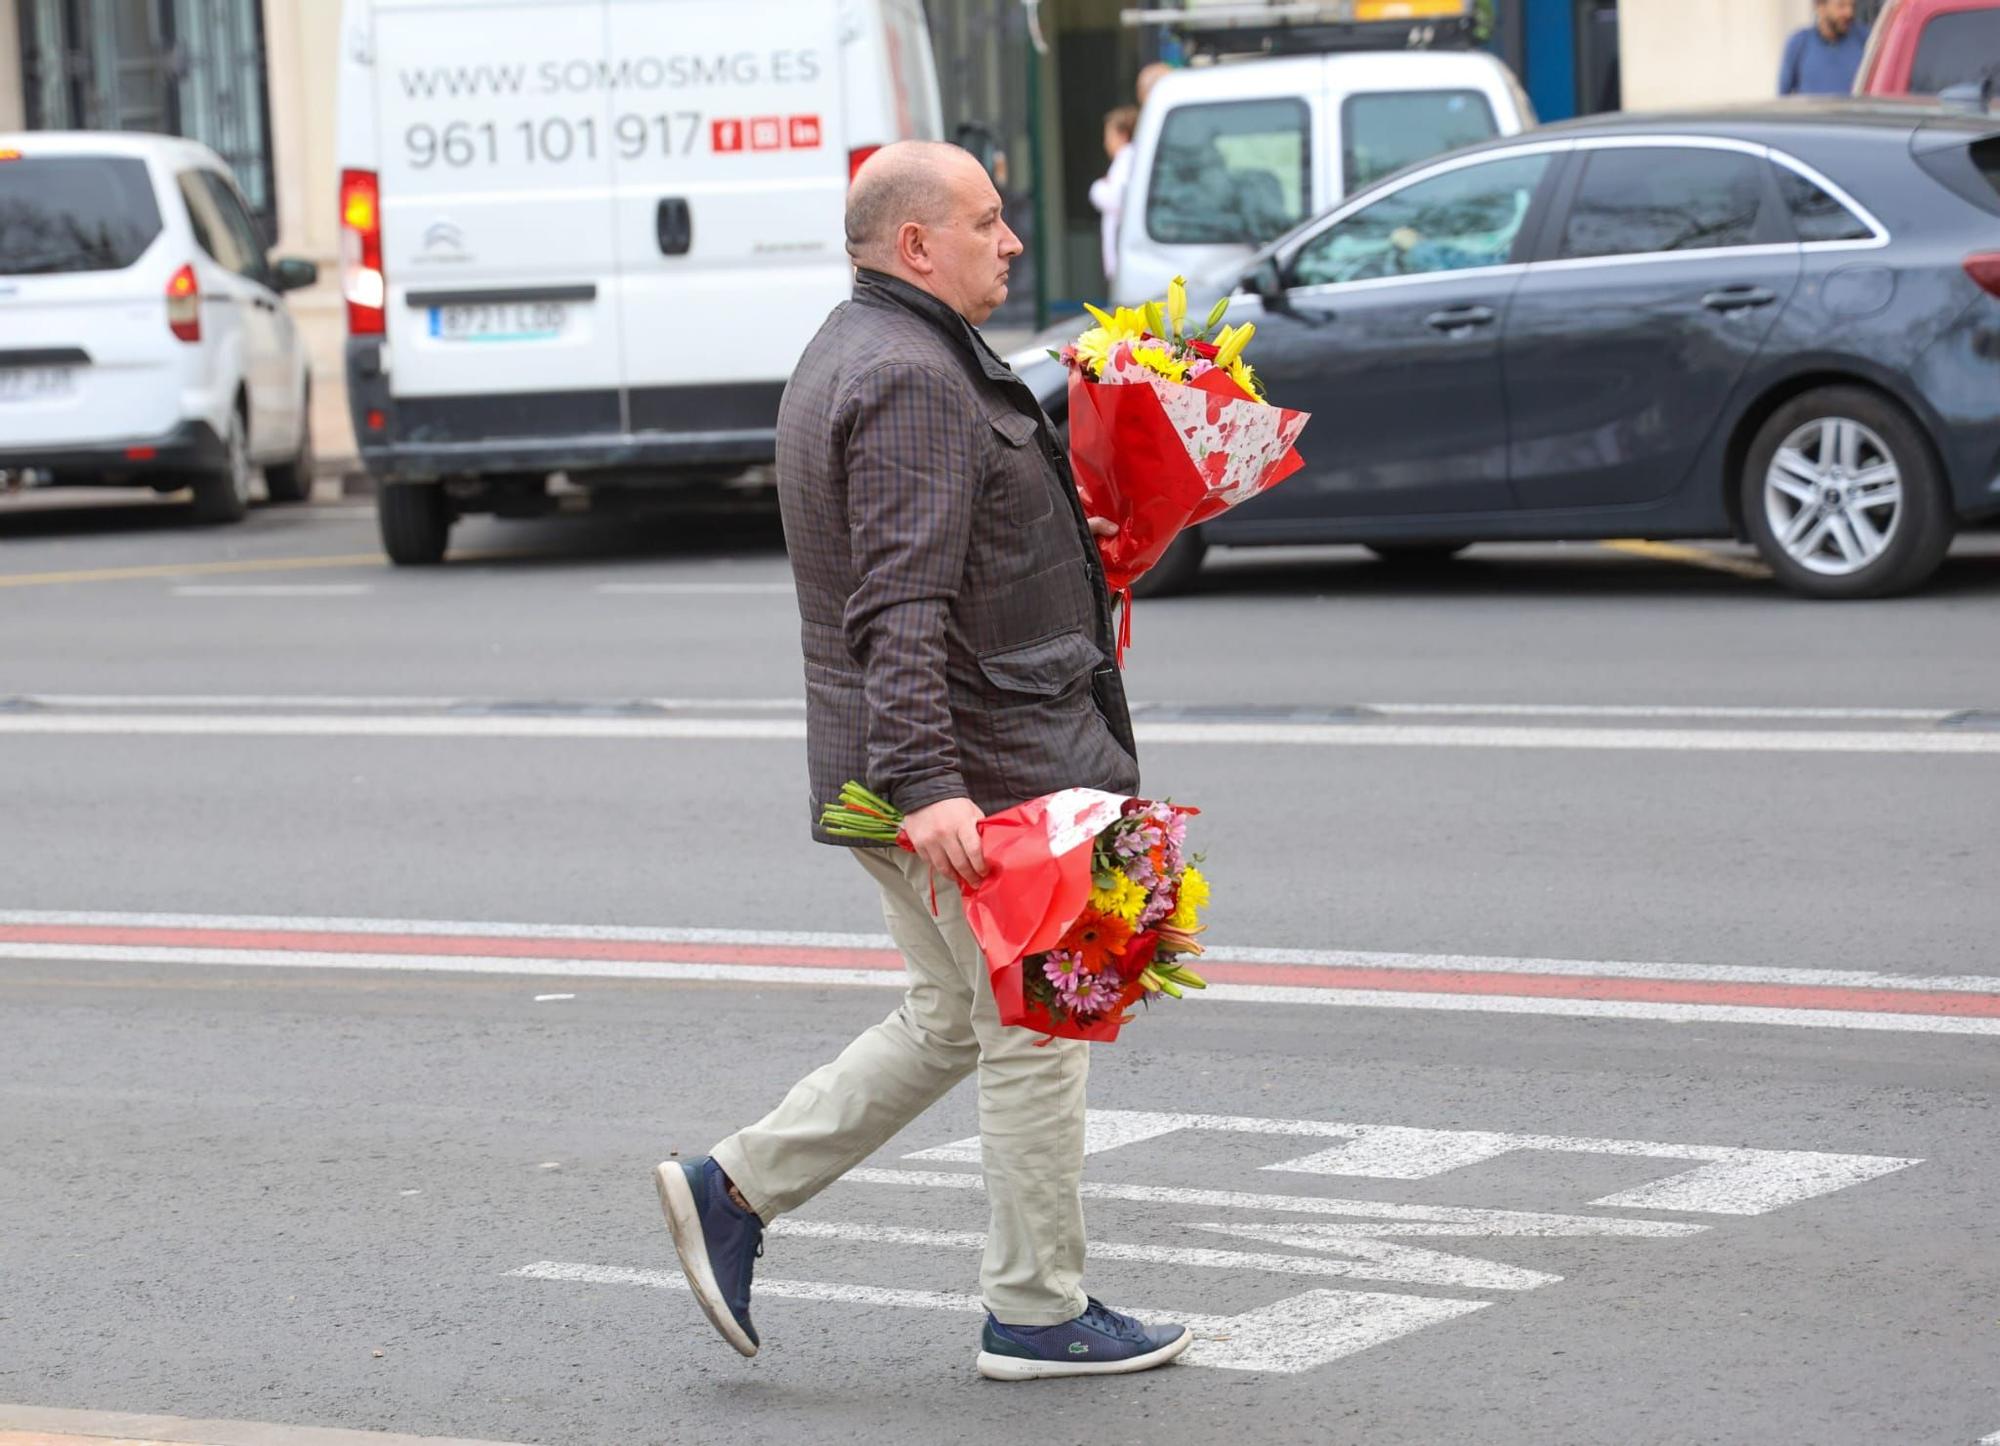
(1156, 359)
(1240, 373)
(1093, 349)
(1193, 899)
(1123, 899)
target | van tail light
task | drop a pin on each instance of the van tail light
(361, 279)
(1984, 268)
(184, 305)
(857, 158)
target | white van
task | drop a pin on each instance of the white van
(1230, 156)
(594, 236)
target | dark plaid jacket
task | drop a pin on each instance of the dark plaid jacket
(957, 628)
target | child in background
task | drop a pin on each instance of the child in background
(1107, 192)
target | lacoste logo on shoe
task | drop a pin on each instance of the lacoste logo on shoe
(1078, 1348)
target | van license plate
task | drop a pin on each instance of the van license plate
(500, 321)
(33, 384)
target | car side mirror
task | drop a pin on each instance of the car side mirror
(1267, 283)
(291, 274)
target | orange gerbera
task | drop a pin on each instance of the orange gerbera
(1098, 940)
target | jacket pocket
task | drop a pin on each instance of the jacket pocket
(1019, 486)
(1047, 668)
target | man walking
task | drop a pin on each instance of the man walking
(958, 645)
(1824, 58)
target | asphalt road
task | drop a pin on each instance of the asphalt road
(1602, 1050)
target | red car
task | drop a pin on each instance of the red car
(1920, 47)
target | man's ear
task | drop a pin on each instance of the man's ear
(913, 247)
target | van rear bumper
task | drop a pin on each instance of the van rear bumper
(416, 439)
(190, 447)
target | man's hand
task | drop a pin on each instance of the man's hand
(946, 836)
(1103, 527)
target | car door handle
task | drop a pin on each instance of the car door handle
(673, 225)
(1459, 318)
(1738, 298)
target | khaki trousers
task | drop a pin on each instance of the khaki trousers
(1030, 1105)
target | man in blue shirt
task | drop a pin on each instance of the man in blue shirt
(1824, 58)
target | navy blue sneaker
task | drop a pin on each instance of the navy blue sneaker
(1100, 1342)
(718, 1244)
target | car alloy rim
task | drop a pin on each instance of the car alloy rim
(1834, 496)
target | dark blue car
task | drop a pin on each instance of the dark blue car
(1779, 324)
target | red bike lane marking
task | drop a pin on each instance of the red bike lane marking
(1220, 970)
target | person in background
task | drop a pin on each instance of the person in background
(1107, 192)
(1824, 58)
(1149, 76)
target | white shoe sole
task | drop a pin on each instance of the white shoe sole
(1014, 1368)
(677, 1200)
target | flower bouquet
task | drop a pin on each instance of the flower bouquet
(1168, 428)
(1090, 901)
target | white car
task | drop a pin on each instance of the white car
(143, 340)
(1230, 156)
(597, 246)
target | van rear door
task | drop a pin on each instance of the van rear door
(731, 165)
(495, 148)
(85, 352)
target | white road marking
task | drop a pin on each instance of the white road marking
(693, 589)
(1293, 1335)
(550, 998)
(1731, 1181)
(1372, 1259)
(748, 730)
(1663, 710)
(306, 702)
(273, 589)
(1993, 1440)
(1401, 1220)
(1326, 958)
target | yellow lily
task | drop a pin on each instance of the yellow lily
(1177, 304)
(1233, 340)
(1156, 321)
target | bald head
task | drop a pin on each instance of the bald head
(909, 181)
(1150, 76)
(926, 213)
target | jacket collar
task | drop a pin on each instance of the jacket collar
(877, 288)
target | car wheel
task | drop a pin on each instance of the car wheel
(1177, 568)
(292, 481)
(1842, 497)
(224, 495)
(1417, 554)
(415, 520)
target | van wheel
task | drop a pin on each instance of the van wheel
(292, 481)
(1843, 498)
(224, 495)
(415, 520)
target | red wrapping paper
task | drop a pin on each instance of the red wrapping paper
(1155, 476)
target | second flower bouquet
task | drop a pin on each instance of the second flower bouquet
(1090, 903)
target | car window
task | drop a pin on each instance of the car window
(74, 213)
(1641, 199)
(243, 227)
(1817, 216)
(1386, 132)
(1461, 219)
(1956, 49)
(1229, 171)
(211, 231)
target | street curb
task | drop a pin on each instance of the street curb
(56, 1426)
